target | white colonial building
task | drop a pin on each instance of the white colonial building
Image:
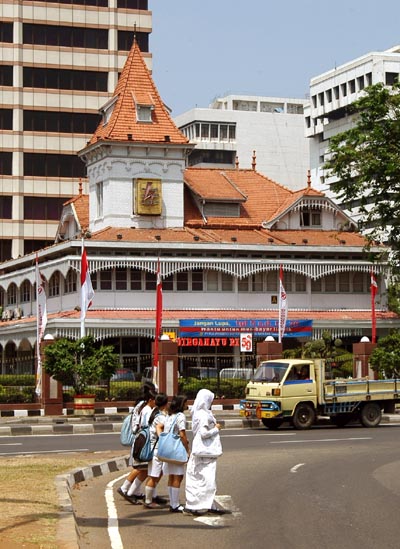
(220, 235)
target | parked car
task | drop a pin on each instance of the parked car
(201, 372)
(147, 374)
(123, 374)
(236, 373)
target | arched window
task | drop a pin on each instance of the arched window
(359, 283)
(272, 281)
(25, 292)
(12, 294)
(70, 282)
(54, 285)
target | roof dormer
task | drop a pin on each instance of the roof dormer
(144, 106)
(107, 110)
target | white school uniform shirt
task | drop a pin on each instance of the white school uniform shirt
(158, 420)
(180, 423)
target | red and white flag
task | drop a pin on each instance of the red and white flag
(87, 293)
(41, 322)
(159, 310)
(282, 307)
(374, 289)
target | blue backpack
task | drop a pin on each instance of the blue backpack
(130, 425)
(142, 449)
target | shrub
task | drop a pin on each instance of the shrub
(16, 380)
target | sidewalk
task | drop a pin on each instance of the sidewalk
(102, 423)
(99, 423)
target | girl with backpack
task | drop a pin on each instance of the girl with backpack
(155, 467)
(130, 489)
(177, 420)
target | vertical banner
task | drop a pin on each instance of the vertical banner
(159, 308)
(246, 343)
(282, 307)
(87, 293)
(374, 289)
(41, 322)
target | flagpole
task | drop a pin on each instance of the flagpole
(41, 322)
(87, 293)
(158, 324)
(38, 389)
(282, 307)
(83, 312)
(373, 312)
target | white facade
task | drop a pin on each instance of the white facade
(116, 175)
(241, 124)
(331, 93)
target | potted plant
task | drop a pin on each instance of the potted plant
(80, 364)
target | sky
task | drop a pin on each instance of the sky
(203, 49)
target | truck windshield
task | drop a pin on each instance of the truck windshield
(271, 371)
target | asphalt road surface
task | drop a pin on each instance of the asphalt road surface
(319, 489)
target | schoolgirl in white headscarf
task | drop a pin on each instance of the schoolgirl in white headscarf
(202, 465)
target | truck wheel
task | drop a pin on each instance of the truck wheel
(303, 417)
(371, 414)
(272, 424)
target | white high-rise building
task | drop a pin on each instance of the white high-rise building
(60, 62)
(331, 93)
(262, 132)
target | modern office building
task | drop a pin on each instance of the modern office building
(332, 92)
(59, 63)
(268, 131)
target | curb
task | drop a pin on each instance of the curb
(68, 533)
(91, 428)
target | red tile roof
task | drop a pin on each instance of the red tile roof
(81, 205)
(135, 86)
(174, 315)
(231, 235)
(263, 196)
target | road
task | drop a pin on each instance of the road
(54, 444)
(289, 489)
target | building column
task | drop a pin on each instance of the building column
(268, 350)
(362, 352)
(51, 398)
(168, 367)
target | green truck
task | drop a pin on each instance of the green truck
(296, 391)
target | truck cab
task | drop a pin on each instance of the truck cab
(277, 388)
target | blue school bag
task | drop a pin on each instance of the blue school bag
(130, 425)
(142, 449)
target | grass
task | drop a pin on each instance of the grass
(29, 506)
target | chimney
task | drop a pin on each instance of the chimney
(253, 163)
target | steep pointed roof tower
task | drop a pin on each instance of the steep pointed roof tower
(136, 111)
(136, 157)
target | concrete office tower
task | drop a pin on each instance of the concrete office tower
(59, 63)
(331, 94)
(269, 128)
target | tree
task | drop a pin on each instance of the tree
(366, 161)
(385, 358)
(338, 360)
(79, 363)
